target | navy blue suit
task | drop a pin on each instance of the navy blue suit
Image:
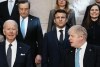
(24, 60)
(91, 57)
(33, 36)
(4, 12)
(51, 50)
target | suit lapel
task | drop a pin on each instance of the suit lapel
(18, 53)
(14, 7)
(66, 41)
(29, 26)
(55, 36)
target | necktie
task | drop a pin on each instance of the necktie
(10, 6)
(9, 55)
(61, 36)
(77, 58)
(23, 28)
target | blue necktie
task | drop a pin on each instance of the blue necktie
(23, 28)
(77, 58)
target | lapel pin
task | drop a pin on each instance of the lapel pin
(31, 19)
(90, 49)
(20, 47)
(22, 54)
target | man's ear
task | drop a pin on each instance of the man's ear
(3, 31)
(54, 20)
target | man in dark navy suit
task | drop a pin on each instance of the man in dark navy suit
(30, 31)
(12, 52)
(82, 54)
(56, 42)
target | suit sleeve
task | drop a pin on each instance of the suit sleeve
(44, 52)
(39, 37)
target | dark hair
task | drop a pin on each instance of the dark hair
(61, 11)
(87, 22)
(23, 1)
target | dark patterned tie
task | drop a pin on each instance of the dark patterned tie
(9, 55)
(61, 36)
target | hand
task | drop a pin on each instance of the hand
(38, 59)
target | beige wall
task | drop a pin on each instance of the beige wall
(41, 9)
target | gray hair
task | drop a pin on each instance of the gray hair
(79, 30)
(10, 21)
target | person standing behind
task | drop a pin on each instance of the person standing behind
(92, 24)
(30, 31)
(8, 10)
(56, 42)
(12, 52)
(79, 6)
(61, 4)
(87, 9)
(81, 54)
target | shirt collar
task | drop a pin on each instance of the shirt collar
(25, 19)
(60, 29)
(13, 43)
(84, 45)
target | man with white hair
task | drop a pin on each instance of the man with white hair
(81, 54)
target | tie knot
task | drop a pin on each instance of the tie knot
(60, 31)
(10, 45)
(78, 49)
(10, 0)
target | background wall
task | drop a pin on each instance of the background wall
(41, 9)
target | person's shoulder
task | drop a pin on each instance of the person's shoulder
(52, 10)
(33, 17)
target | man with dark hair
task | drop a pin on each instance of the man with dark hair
(56, 42)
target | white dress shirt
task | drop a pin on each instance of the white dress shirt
(14, 50)
(58, 33)
(10, 6)
(26, 23)
(81, 53)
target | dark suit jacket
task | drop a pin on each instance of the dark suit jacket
(21, 60)
(4, 12)
(89, 60)
(50, 52)
(33, 36)
(71, 19)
